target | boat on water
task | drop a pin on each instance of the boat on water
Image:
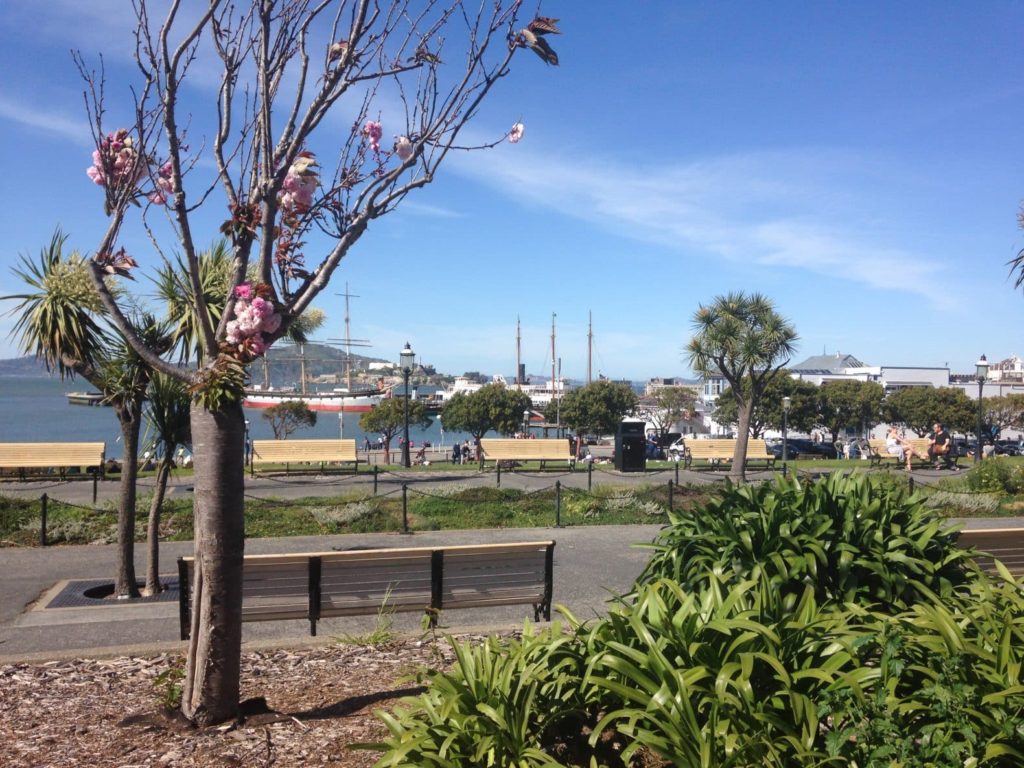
(86, 398)
(335, 401)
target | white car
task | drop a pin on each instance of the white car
(677, 451)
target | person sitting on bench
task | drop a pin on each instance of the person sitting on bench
(897, 446)
(940, 447)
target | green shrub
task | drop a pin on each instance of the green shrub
(963, 504)
(996, 475)
(493, 708)
(848, 538)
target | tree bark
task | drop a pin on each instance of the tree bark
(738, 471)
(130, 418)
(163, 472)
(211, 686)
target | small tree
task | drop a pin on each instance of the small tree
(917, 408)
(767, 412)
(297, 84)
(289, 416)
(492, 407)
(388, 418)
(1005, 411)
(740, 335)
(167, 414)
(843, 404)
(596, 408)
(668, 406)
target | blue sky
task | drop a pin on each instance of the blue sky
(859, 163)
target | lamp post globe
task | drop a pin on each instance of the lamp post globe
(981, 373)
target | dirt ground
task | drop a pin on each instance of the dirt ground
(108, 712)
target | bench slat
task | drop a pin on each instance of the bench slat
(41, 455)
(299, 451)
(362, 581)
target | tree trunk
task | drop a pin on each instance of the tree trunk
(738, 471)
(163, 472)
(125, 584)
(211, 685)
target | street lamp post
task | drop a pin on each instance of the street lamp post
(407, 358)
(786, 402)
(981, 372)
(526, 423)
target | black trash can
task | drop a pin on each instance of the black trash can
(630, 447)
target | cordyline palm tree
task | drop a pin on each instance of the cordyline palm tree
(736, 336)
(61, 321)
(167, 416)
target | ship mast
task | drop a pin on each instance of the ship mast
(519, 353)
(590, 344)
(553, 358)
(348, 341)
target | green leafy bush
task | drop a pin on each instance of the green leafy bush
(849, 538)
(996, 475)
(493, 708)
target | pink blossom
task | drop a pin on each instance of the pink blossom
(373, 131)
(256, 345)
(243, 291)
(164, 185)
(516, 133)
(403, 148)
(271, 323)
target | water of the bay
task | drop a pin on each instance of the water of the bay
(37, 410)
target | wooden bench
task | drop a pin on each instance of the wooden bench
(1003, 544)
(289, 452)
(719, 450)
(511, 450)
(318, 585)
(880, 451)
(22, 457)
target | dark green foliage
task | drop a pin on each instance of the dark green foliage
(595, 409)
(493, 407)
(918, 408)
(289, 416)
(767, 412)
(848, 538)
(996, 475)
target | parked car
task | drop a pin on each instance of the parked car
(1007, 448)
(798, 446)
(677, 451)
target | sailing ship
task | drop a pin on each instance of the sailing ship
(337, 400)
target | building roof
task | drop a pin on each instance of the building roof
(827, 363)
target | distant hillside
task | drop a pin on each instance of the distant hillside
(22, 367)
(283, 364)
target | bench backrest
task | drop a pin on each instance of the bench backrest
(879, 446)
(315, 585)
(1003, 544)
(292, 451)
(717, 448)
(24, 455)
(500, 449)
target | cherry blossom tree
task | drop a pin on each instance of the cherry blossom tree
(324, 115)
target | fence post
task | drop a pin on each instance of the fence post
(42, 525)
(785, 470)
(497, 465)
(677, 471)
(670, 508)
(374, 479)
(910, 483)
(405, 508)
(558, 503)
(95, 485)
(590, 475)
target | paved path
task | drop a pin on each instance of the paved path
(591, 564)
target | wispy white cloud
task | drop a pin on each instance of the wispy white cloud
(60, 123)
(784, 209)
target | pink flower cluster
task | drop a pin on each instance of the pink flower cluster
(254, 316)
(373, 131)
(164, 185)
(403, 148)
(296, 195)
(116, 154)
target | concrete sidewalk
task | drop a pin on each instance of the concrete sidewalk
(590, 565)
